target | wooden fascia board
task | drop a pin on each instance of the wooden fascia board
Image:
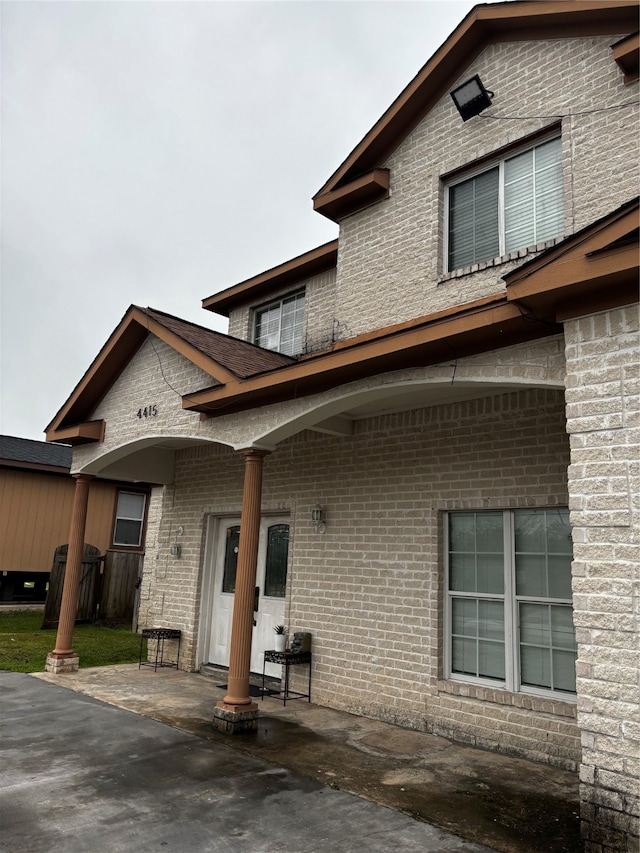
(294, 271)
(119, 349)
(595, 271)
(35, 467)
(356, 195)
(84, 433)
(627, 54)
(484, 24)
(492, 326)
(117, 352)
(589, 254)
(195, 356)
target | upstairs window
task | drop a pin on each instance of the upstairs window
(129, 522)
(280, 326)
(516, 203)
(509, 611)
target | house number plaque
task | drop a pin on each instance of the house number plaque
(147, 412)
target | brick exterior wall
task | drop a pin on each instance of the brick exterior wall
(390, 266)
(604, 485)
(370, 589)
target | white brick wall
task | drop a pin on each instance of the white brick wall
(369, 590)
(390, 256)
(603, 381)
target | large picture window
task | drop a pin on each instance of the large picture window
(516, 203)
(509, 614)
(129, 521)
(280, 326)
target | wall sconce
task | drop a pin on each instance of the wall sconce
(471, 98)
(317, 518)
(176, 550)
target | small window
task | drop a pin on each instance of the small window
(231, 549)
(509, 608)
(280, 326)
(516, 203)
(275, 578)
(129, 519)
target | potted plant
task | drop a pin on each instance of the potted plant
(281, 638)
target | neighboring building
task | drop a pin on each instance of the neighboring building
(36, 499)
(430, 424)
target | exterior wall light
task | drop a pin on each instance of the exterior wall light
(317, 517)
(176, 550)
(471, 98)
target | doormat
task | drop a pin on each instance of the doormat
(253, 690)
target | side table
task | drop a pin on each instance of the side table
(159, 635)
(286, 659)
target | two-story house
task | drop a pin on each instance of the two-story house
(419, 442)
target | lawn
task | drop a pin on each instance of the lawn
(24, 646)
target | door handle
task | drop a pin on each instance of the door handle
(256, 600)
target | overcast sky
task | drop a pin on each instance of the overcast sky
(157, 152)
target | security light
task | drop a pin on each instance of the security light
(471, 98)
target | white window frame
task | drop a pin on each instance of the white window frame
(487, 166)
(140, 519)
(512, 681)
(279, 303)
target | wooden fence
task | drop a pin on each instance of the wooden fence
(108, 587)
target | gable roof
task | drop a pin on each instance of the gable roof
(35, 455)
(361, 179)
(222, 357)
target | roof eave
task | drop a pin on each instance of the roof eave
(262, 286)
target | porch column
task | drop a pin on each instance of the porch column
(237, 713)
(63, 658)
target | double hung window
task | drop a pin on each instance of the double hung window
(280, 326)
(509, 615)
(129, 521)
(515, 203)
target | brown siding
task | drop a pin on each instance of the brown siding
(35, 514)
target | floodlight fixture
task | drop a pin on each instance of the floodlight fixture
(471, 98)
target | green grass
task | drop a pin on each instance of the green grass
(24, 647)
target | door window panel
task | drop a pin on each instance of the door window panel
(275, 583)
(231, 558)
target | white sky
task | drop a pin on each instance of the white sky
(157, 152)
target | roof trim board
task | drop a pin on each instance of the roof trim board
(597, 267)
(70, 423)
(262, 286)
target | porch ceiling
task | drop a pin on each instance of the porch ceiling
(150, 460)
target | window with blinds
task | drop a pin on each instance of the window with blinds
(515, 203)
(280, 326)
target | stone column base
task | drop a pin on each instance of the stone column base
(234, 722)
(56, 665)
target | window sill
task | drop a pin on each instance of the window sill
(544, 705)
(520, 255)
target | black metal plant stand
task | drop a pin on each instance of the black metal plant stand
(286, 659)
(159, 635)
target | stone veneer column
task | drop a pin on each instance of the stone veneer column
(237, 713)
(63, 658)
(604, 483)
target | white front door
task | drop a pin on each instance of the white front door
(271, 582)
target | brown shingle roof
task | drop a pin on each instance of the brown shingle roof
(240, 357)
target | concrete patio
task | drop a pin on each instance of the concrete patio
(507, 804)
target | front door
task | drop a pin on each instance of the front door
(271, 582)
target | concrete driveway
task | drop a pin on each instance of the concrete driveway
(80, 776)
